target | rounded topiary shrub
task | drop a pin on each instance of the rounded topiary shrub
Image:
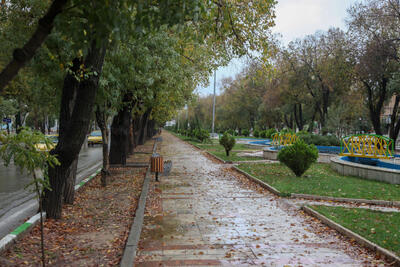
(270, 132)
(245, 132)
(202, 135)
(231, 132)
(298, 157)
(263, 134)
(227, 141)
(256, 133)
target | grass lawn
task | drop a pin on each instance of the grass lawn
(321, 180)
(232, 156)
(216, 149)
(379, 227)
(249, 137)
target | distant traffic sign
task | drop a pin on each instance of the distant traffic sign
(7, 120)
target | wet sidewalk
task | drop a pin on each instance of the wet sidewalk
(203, 214)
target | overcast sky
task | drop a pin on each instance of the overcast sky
(294, 19)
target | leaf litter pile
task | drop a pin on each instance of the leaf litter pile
(92, 232)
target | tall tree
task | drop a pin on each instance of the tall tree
(374, 30)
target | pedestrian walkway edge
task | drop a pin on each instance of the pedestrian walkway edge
(272, 189)
(348, 200)
(258, 181)
(347, 232)
(131, 245)
(216, 157)
(24, 228)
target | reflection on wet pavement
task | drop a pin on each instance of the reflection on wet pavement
(209, 217)
(13, 181)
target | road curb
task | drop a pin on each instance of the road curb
(129, 255)
(359, 239)
(24, 228)
(131, 245)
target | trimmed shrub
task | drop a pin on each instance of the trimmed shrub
(270, 132)
(263, 134)
(245, 132)
(256, 133)
(319, 140)
(298, 157)
(231, 132)
(201, 134)
(228, 142)
(286, 130)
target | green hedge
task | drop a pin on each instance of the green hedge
(319, 140)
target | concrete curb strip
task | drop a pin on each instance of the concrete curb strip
(314, 197)
(349, 200)
(252, 161)
(128, 258)
(130, 165)
(24, 228)
(216, 157)
(359, 239)
(129, 255)
(258, 181)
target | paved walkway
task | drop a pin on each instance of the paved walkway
(210, 216)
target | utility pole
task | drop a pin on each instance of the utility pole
(187, 115)
(213, 119)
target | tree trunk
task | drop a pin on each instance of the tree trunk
(325, 105)
(69, 190)
(131, 138)
(311, 125)
(375, 110)
(137, 126)
(79, 98)
(101, 119)
(48, 125)
(393, 128)
(120, 136)
(376, 121)
(286, 120)
(298, 116)
(145, 119)
(150, 129)
(18, 122)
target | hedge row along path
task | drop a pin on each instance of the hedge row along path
(206, 214)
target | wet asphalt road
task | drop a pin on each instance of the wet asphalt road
(17, 203)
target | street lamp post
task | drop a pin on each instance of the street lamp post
(213, 118)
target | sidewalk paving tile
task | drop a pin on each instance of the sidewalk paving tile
(210, 218)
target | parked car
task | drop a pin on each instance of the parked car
(95, 138)
(43, 147)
